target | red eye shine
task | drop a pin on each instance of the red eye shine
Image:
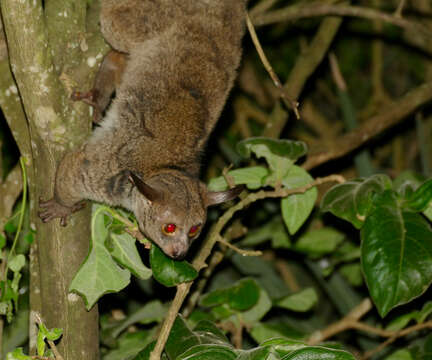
(193, 230)
(170, 228)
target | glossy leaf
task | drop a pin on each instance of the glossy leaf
(180, 339)
(318, 353)
(352, 200)
(421, 198)
(241, 296)
(279, 154)
(302, 301)
(396, 253)
(206, 328)
(259, 353)
(319, 242)
(123, 249)
(99, 274)
(296, 208)
(253, 177)
(170, 272)
(208, 352)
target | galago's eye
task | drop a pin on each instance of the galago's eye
(193, 230)
(169, 229)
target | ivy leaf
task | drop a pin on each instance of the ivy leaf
(99, 274)
(253, 177)
(125, 252)
(352, 200)
(421, 198)
(396, 253)
(296, 208)
(170, 272)
(17, 354)
(279, 154)
(17, 263)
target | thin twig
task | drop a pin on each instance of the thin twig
(238, 250)
(398, 12)
(205, 251)
(287, 99)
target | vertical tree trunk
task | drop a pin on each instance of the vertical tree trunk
(52, 50)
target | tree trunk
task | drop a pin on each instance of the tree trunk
(53, 49)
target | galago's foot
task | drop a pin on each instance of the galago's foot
(51, 209)
(90, 98)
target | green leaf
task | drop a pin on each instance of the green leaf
(274, 230)
(208, 352)
(353, 273)
(2, 241)
(170, 272)
(264, 331)
(279, 154)
(301, 302)
(180, 339)
(319, 242)
(17, 354)
(296, 208)
(17, 263)
(99, 274)
(396, 253)
(259, 310)
(401, 321)
(424, 312)
(428, 212)
(259, 353)
(352, 200)
(54, 334)
(400, 355)
(150, 312)
(284, 346)
(145, 353)
(421, 198)
(205, 328)
(241, 296)
(126, 253)
(40, 344)
(318, 353)
(10, 227)
(129, 346)
(252, 177)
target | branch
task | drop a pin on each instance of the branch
(315, 10)
(345, 323)
(213, 236)
(305, 66)
(390, 116)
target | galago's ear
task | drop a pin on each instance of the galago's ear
(217, 197)
(150, 193)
